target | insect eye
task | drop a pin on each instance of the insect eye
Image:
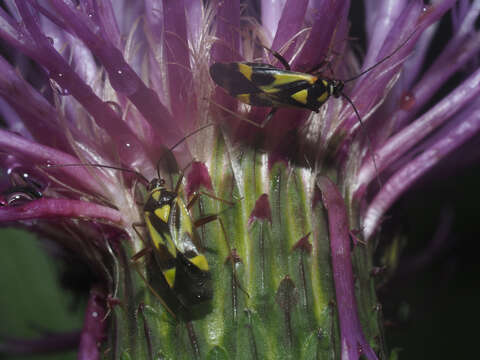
(155, 183)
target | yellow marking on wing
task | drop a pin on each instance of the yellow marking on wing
(155, 194)
(270, 89)
(170, 276)
(301, 96)
(325, 83)
(288, 77)
(163, 213)
(185, 219)
(200, 261)
(246, 70)
(322, 98)
(245, 98)
(157, 239)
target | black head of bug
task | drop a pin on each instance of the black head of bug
(335, 88)
(156, 183)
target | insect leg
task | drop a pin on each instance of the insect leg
(135, 261)
(197, 195)
(320, 68)
(232, 257)
(268, 117)
(279, 58)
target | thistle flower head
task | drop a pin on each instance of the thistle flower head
(127, 86)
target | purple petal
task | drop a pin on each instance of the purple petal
(122, 76)
(194, 11)
(414, 133)
(39, 154)
(12, 119)
(59, 208)
(227, 47)
(352, 338)
(463, 130)
(315, 50)
(381, 17)
(93, 332)
(463, 47)
(41, 49)
(271, 12)
(178, 60)
(39, 117)
(103, 15)
(290, 23)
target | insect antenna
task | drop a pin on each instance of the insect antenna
(383, 60)
(341, 83)
(372, 154)
(143, 178)
(180, 142)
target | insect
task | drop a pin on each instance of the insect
(264, 85)
(176, 245)
(173, 241)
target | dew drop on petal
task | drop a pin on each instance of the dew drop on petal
(95, 314)
(426, 10)
(22, 176)
(123, 82)
(116, 107)
(127, 148)
(407, 101)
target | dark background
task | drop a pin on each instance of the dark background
(430, 312)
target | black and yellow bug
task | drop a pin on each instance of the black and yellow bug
(175, 241)
(264, 85)
(260, 84)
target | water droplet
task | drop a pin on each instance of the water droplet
(91, 15)
(21, 176)
(407, 101)
(19, 198)
(59, 89)
(128, 147)
(95, 314)
(426, 10)
(124, 81)
(60, 75)
(116, 107)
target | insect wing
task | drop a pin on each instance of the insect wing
(192, 281)
(260, 84)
